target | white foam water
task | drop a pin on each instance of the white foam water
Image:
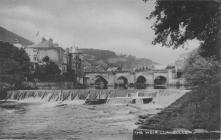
(160, 97)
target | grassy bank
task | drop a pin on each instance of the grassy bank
(199, 108)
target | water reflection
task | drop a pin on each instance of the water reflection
(145, 86)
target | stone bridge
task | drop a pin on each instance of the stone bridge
(149, 77)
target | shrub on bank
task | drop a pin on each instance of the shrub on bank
(199, 108)
(14, 67)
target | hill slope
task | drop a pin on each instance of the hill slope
(106, 59)
(8, 36)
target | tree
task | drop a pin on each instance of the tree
(52, 69)
(46, 59)
(47, 71)
(201, 71)
(14, 64)
(170, 67)
(177, 21)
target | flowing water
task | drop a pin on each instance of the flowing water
(51, 121)
(62, 115)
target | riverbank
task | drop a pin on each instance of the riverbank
(197, 109)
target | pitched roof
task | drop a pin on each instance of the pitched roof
(42, 44)
(46, 44)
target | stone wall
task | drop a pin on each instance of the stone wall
(49, 85)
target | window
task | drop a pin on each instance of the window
(179, 74)
(35, 58)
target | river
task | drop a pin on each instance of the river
(51, 121)
(70, 119)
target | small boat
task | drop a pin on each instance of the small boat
(98, 100)
(95, 102)
(143, 100)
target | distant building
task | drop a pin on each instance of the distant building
(33, 54)
(113, 69)
(159, 67)
(143, 68)
(87, 66)
(180, 64)
(55, 53)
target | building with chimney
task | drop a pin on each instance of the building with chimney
(46, 47)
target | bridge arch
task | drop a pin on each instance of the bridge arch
(100, 82)
(122, 82)
(140, 82)
(160, 82)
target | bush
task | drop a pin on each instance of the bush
(14, 64)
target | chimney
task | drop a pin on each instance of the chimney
(56, 45)
(67, 50)
(50, 42)
(43, 39)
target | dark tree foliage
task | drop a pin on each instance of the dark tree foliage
(201, 71)
(52, 68)
(170, 67)
(46, 59)
(177, 21)
(14, 64)
(49, 68)
(48, 71)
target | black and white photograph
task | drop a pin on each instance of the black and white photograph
(110, 69)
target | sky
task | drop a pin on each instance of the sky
(117, 25)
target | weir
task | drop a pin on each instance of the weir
(163, 97)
